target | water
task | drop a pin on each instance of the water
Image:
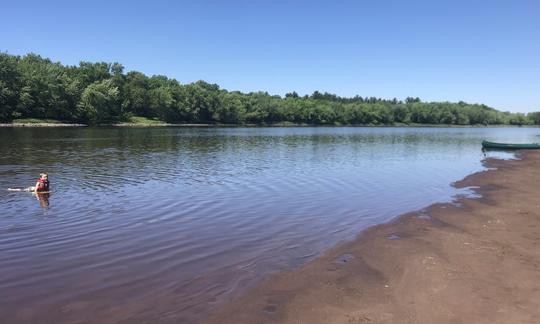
(166, 223)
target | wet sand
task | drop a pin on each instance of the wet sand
(476, 261)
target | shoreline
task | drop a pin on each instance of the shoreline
(159, 125)
(471, 261)
(40, 125)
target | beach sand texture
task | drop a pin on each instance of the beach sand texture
(476, 261)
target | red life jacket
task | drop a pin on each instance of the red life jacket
(43, 185)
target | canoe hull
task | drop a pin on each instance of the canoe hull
(509, 146)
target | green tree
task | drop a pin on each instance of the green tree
(163, 105)
(99, 103)
(32, 86)
(135, 97)
(10, 86)
(534, 117)
(291, 95)
(520, 119)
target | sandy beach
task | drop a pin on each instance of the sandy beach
(473, 261)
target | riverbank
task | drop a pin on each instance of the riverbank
(475, 261)
(144, 122)
(42, 125)
(150, 125)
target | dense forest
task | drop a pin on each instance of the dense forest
(100, 93)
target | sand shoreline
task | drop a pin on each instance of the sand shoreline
(474, 261)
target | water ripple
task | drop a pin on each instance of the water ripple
(171, 221)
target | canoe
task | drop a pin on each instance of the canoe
(509, 146)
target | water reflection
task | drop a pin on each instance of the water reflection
(43, 199)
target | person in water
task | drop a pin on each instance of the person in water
(42, 184)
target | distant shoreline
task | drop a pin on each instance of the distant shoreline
(154, 125)
(37, 125)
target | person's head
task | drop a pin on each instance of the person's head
(44, 176)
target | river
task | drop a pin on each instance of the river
(164, 224)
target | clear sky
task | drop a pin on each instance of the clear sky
(475, 51)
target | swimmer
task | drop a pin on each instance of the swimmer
(42, 185)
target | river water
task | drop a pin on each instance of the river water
(164, 224)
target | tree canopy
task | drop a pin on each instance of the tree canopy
(97, 93)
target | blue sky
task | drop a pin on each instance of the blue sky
(476, 51)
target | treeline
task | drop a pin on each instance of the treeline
(98, 93)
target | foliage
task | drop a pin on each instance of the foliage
(534, 117)
(143, 120)
(35, 121)
(99, 103)
(96, 93)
